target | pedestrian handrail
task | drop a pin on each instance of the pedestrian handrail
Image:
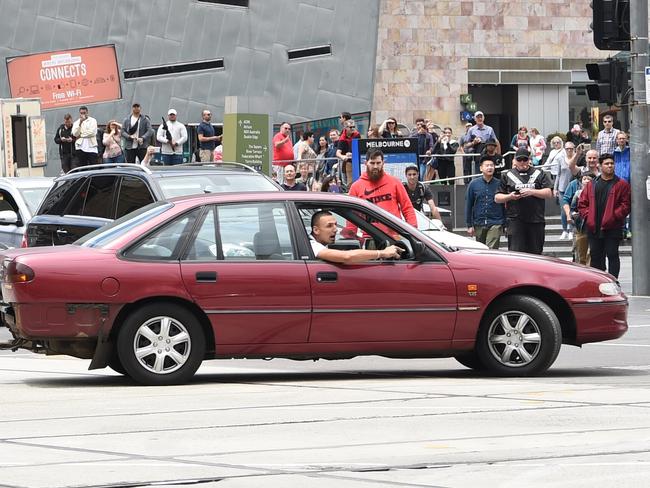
(110, 165)
(278, 162)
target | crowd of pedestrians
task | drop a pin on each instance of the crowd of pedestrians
(591, 185)
(84, 141)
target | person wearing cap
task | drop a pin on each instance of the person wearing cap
(136, 134)
(484, 217)
(477, 135)
(418, 192)
(524, 189)
(172, 151)
(344, 150)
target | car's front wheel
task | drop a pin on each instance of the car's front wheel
(520, 336)
(161, 344)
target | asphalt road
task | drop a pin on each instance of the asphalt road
(361, 422)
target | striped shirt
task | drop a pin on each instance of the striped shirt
(606, 141)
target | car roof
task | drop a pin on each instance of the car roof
(226, 167)
(28, 181)
(268, 196)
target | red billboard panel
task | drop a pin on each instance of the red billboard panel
(65, 78)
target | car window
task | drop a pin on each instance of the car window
(255, 232)
(109, 232)
(355, 225)
(182, 185)
(33, 196)
(95, 199)
(133, 194)
(165, 243)
(62, 193)
(204, 245)
(7, 202)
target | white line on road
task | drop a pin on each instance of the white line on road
(638, 326)
(620, 344)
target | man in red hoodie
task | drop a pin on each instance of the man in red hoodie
(383, 189)
(604, 203)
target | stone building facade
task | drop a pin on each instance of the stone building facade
(523, 58)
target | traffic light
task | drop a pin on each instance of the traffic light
(611, 24)
(611, 79)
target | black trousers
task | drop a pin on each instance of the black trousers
(85, 158)
(67, 162)
(446, 169)
(606, 246)
(131, 154)
(525, 236)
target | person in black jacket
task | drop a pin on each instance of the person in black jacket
(64, 138)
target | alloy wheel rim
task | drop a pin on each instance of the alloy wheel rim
(162, 345)
(514, 339)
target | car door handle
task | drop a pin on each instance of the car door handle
(206, 276)
(61, 232)
(327, 277)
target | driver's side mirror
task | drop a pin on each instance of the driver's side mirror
(9, 217)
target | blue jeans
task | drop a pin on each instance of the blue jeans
(566, 227)
(115, 159)
(171, 159)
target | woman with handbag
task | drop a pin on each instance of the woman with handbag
(112, 143)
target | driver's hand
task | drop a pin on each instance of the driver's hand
(391, 252)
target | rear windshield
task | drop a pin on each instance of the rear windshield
(177, 186)
(108, 233)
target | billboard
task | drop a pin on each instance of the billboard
(65, 78)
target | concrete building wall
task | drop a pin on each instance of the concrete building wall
(425, 47)
(253, 42)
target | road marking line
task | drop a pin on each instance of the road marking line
(619, 344)
(637, 326)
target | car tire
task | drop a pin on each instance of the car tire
(470, 360)
(161, 344)
(115, 364)
(520, 336)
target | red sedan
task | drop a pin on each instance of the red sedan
(156, 292)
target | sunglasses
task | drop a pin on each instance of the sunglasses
(522, 159)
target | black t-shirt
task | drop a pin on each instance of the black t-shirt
(345, 146)
(418, 196)
(297, 187)
(529, 209)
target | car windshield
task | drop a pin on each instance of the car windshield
(108, 233)
(33, 196)
(176, 186)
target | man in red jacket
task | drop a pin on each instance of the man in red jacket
(382, 189)
(604, 203)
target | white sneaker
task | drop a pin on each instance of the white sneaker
(563, 236)
(570, 236)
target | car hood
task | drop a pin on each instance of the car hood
(450, 239)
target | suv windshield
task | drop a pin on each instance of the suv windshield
(33, 196)
(106, 234)
(175, 186)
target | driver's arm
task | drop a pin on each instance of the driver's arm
(358, 255)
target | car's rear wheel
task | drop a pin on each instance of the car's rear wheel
(520, 336)
(161, 344)
(115, 364)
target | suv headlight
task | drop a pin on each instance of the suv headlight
(610, 289)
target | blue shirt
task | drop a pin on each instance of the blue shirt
(622, 163)
(206, 130)
(480, 208)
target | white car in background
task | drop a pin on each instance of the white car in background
(19, 199)
(437, 231)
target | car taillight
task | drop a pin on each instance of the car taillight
(17, 273)
(23, 242)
